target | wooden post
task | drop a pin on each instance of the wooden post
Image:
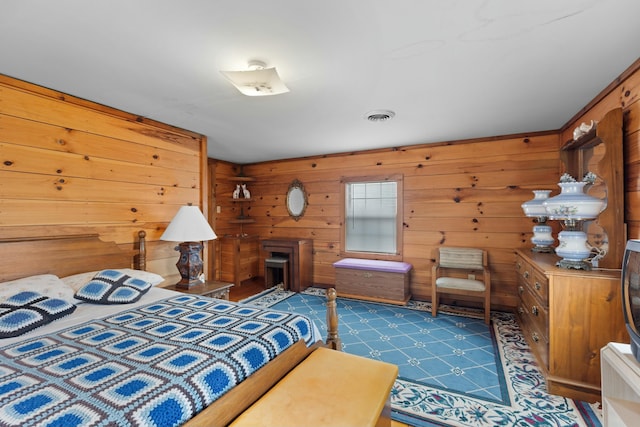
(333, 340)
(142, 250)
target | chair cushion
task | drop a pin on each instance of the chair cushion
(374, 265)
(455, 283)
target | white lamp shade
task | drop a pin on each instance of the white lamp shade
(260, 82)
(572, 203)
(189, 225)
(534, 207)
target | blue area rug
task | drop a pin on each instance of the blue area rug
(453, 369)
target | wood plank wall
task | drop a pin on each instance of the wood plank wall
(623, 93)
(460, 193)
(69, 166)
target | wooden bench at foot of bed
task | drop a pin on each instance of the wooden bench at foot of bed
(373, 280)
(329, 388)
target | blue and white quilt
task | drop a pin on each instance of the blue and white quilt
(156, 365)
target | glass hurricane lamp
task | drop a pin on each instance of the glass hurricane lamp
(573, 207)
(542, 238)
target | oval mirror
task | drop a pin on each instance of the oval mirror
(296, 200)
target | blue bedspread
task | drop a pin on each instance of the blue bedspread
(156, 365)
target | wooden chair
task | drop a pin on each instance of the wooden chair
(461, 271)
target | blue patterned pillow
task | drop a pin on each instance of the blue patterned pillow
(28, 310)
(113, 287)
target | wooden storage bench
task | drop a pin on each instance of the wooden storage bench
(329, 388)
(374, 280)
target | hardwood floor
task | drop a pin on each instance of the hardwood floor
(246, 289)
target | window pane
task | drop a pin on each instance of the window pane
(371, 216)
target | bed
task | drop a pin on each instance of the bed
(184, 359)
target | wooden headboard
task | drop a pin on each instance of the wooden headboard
(65, 255)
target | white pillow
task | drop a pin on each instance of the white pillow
(44, 284)
(77, 281)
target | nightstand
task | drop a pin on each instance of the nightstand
(210, 288)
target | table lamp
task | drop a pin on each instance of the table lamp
(190, 228)
(573, 207)
(542, 238)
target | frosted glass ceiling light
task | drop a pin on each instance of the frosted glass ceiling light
(257, 81)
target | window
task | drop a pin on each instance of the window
(372, 215)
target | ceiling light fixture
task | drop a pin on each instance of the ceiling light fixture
(257, 80)
(379, 115)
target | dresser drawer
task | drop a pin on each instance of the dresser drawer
(536, 338)
(540, 287)
(524, 270)
(536, 280)
(536, 313)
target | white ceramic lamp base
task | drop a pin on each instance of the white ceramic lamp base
(542, 238)
(573, 250)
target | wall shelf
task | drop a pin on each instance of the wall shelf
(242, 178)
(242, 221)
(242, 218)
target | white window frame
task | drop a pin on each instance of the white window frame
(345, 181)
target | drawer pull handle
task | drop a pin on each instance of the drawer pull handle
(526, 274)
(367, 275)
(520, 290)
(534, 310)
(535, 337)
(538, 286)
(521, 310)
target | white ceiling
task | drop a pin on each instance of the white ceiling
(450, 69)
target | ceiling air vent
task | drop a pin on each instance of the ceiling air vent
(380, 115)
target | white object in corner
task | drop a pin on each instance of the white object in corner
(620, 386)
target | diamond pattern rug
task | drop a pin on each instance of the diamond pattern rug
(453, 369)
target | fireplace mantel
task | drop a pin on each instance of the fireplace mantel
(300, 255)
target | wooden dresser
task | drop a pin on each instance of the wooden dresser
(567, 316)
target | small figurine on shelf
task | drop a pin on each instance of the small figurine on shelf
(236, 192)
(245, 192)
